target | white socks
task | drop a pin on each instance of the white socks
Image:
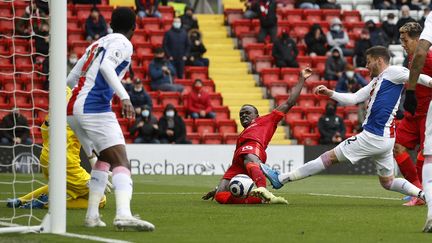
(310, 168)
(427, 183)
(122, 183)
(405, 187)
(97, 186)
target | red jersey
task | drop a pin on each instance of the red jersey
(261, 130)
(423, 93)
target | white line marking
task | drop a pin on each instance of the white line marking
(352, 196)
(94, 238)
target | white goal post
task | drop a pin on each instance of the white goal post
(55, 220)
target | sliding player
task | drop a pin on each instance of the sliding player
(376, 141)
(250, 150)
(97, 77)
(410, 105)
(411, 130)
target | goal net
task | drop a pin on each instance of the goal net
(26, 39)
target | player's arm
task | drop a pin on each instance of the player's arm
(75, 73)
(291, 101)
(345, 98)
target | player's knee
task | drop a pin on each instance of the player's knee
(386, 182)
(398, 149)
(329, 158)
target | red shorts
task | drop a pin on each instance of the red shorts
(411, 131)
(237, 166)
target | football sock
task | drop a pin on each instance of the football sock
(97, 184)
(122, 183)
(419, 166)
(310, 168)
(407, 168)
(34, 194)
(228, 198)
(403, 186)
(256, 174)
(427, 182)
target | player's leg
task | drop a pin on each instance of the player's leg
(385, 168)
(427, 170)
(406, 165)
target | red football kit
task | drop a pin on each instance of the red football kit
(254, 140)
(411, 130)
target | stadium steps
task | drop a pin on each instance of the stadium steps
(233, 4)
(230, 74)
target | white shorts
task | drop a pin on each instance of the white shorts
(368, 145)
(428, 132)
(97, 131)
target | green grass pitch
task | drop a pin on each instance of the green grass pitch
(174, 205)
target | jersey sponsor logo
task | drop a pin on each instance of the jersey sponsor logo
(245, 148)
(26, 163)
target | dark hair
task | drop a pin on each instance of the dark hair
(123, 20)
(255, 109)
(158, 50)
(379, 51)
(413, 29)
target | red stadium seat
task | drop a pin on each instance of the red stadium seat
(196, 72)
(241, 26)
(313, 15)
(348, 126)
(262, 62)
(190, 125)
(309, 139)
(195, 138)
(295, 114)
(227, 126)
(306, 100)
(269, 75)
(351, 113)
(283, 25)
(79, 47)
(230, 138)
(216, 99)
(232, 14)
(20, 99)
(143, 48)
(300, 28)
(222, 112)
(166, 98)
(212, 138)
(290, 75)
(355, 27)
(150, 23)
(351, 16)
(253, 50)
(312, 84)
(330, 14)
(340, 111)
(166, 24)
(167, 12)
(75, 35)
(83, 10)
(313, 114)
(300, 127)
(40, 99)
(73, 23)
(139, 36)
(304, 61)
(156, 37)
(158, 110)
(322, 100)
(279, 99)
(277, 88)
(205, 126)
(245, 38)
(154, 96)
(70, 10)
(318, 64)
(294, 15)
(124, 124)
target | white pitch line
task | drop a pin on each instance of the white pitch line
(94, 238)
(352, 196)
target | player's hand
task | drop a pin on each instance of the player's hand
(210, 195)
(410, 103)
(128, 110)
(323, 90)
(306, 73)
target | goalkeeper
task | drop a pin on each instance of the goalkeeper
(76, 176)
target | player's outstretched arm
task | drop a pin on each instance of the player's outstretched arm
(286, 106)
(345, 98)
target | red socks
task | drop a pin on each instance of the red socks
(255, 172)
(228, 198)
(408, 169)
(419, 165)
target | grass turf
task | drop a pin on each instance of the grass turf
(173, 204)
